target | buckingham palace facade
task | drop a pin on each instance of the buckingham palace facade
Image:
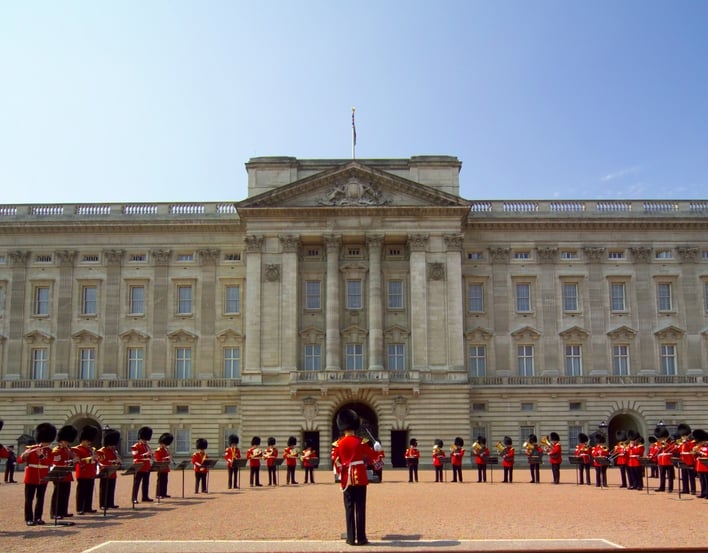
(354, 283)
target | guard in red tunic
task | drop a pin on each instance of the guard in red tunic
(63, 456)
(481, 454)
(270, 455)
(231, 454)
(37, 459)
(534, 452)
(653, 456)
(254, 454)
(412, 459)
(142, 460)
(350, 458)
(163, 455)
(508, 454)
(701, 452)
(457, 454)
(200, 469)
(86, 470)
(582, 450)
(635, 451)
(438, 463)
(108, 457)
(555, 456)
(290, 456)
(619, 453)
(687, 458)
(600, 457)
(310, 461)
(664, 459)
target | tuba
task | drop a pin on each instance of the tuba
(476, 448)
(546, 442)
(500, 446)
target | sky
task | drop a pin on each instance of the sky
(165, 101)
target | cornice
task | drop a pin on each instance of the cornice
(121, 227)
(521, 223)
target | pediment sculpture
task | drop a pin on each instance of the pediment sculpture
(353, 192)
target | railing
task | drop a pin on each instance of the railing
(593, 380)
(587, 208)
(121, 383)
(116, 211)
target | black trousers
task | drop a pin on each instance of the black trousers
(355, 513)
(535, 470)
(413, 471)
(439, 476)
(688, 481)
(84, 494)
(59, 505)
(200, 477)
(273, 476)
(584, 471)
(482, 472)
(10, 472)
(556, 472)
(32, 491)
(255, 476)
(309, 475)
(233, 477)
(666, 473)
(456, 473)
(141, 481)
(162, 480)
(601, 476)
(107, 492)
(508, 474)
(290, 474)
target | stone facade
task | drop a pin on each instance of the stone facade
(364, 283)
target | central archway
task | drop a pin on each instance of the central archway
(369, 421)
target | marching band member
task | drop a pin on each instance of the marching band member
(86, 470)
(349, 460)
(634, 467)
(534, 453)
(254, 455)
(4, 453)
(378, 460)
(38, 459)
(481, 452)
(687, 457)
(457, 454)
(412, 458)
(619, 453)
(108, 457)
(666, 448)
(701, 452)
(270, 455)
(582, 450)
(231, 454)
(555, 456)
(600, 455)
(438, 455)
(507, 454)
(653, 455)
(309, 462)
(142, 460)
(163, 455)
(63, 456)
(290, 456)
(200, 470)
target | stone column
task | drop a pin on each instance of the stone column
(288, 301)
(156, 357)
(65, 290)
(253, 308)
(547, 318)
(204, 357)
(417, 244)
(375, 243)
(645, 289)
(333, 340)
(599, 301)
(111, 316)
(455, 301)
(692, 303)
(16, 367)
(500, 311)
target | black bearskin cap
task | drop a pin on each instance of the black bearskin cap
(700, 435)
(45, 432)
(233, 439)
(652, 440)
(600, 437)
(292, 440)
(67, 434)
(413, 442)
(145, 433)
(533, 438)
(459, 442)
(88, 433)
(256, 440)
(111, 437)
(482, 440)
(661, 432)
(683, 429)
(1, 424)
(583, 438)
(621, 435)
(507, 440)
(271, 441)
(554, 437)
(202, 443)
(632, 435)
(166, 438)
(438, 442)
(348, 419)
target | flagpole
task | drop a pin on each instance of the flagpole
(353, 135)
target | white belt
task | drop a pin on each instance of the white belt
(38, 467)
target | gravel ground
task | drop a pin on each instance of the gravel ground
(426, 511)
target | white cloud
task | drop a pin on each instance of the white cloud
(620, 173)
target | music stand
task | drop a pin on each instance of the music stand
(158, 467)
(278, 463)
(239, 464)
(104, 474)
(131, 471)
(182, 465)
(57, 474)
(492, 460)
(578, 462)
(645, 462)
(209, 464)
(681, 466)
(446, 461)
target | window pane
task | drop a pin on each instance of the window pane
(183, 442)
(620, 360)
(353, 294)
(570, 297)
(525, 360)
(232, 363)
(668, 359)
(40, 357)
(41, 300)
(478, 360)
(137, 300)
(475, 297)
(354, 357)
(312, 294)
(2, 301)
(184, 303)
(233, 299)
(395, 294)
(395, 357)
(617, 301)
(135, 363)
(573, 360)
(313, 359)
(523, 297)
(183, 363)
(88, 305)
(664, 296)
(87, 363)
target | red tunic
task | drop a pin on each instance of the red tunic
(686, 453)
(254, 455)
(665, 455)
(621, 451)
(231, 454)
(508, 457)
(635, 452)
(38, 459)
(456, 456)
(702, 453)
(598, 452)
(309, 456)
(583, 451)
(555, 453)
(349, 460)
(163, 455)
(271, 454)
(290, 456)
(63, 456)
(438, 455)
(86, 461)
(198, 458)
(142, 456)
(107, 457)
(412, 455)
(481, 457)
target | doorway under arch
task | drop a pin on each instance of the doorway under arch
(82, 422)
(369, 421)
(622, 421)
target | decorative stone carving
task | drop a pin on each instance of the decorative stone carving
(208, 257)
(640, 254)
(436, 271)
(19, 258)
(547, 254)
(113, 257)
(290, 243)
(353, 192)
(160, 256)
(453, 242)
(310, 409)
(374, 240)
(417, 242)
(272, 272)
(400, 407)
(688, 254)
(254, 243)
(66, 257)
(499, 254)
(671, 332)
(594, 253)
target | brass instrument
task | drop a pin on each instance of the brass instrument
(546, 442)
(529, 447)
(476, 448)
(258, 452)
(500, 447)
(453, 448)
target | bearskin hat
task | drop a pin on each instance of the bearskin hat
(348, 419)
(438, 442)
(554, 437)
(256, 440)
(111, 437)
(507, 440)
(533, 438)
(700, 435)
(482, 440)
(600, 437)
(233, 439)
(202, 443)
(166, 438)
(652, 440)
(45, 432)
(459, 442)
(583, 438)
(145, 433)
(271, 441)
(621, 435)
(1, 424)
(413, 442)
(67, 434)
(88, 433)
(632, 435)
(661, 432)
(309, 444)
(683, 429)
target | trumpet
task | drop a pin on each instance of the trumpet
(529, 447)
(476, 448)
(500, 446)
(546, 441)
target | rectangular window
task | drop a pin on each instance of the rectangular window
(354, 294)
(663, 296)
(620, 360)
(41, 300)
(133, 409)
(478, 360)
(87, 363)
(475, 298)
(396, 357)
(667, 359)
(312, 294)
(526, 406)
(181, 409)
(615, 254)
(575, 406)
(131, 438)
(2, 300)
(573, 360)
(395, 294)
(523, 297)
(183, 363)
(705, 296)
(568, 254)
(475, 255)
(89, 296)
(232, 256)
(136, 363)
(664, 254)
(184, 300)
(354, 358)
(313, 357)
(40, 364)
(524, 432)
(573, 433)
(136, 299)
(183, 441)
(185, 257)
(233, 299)
(524, 355)
(570, 297)
(618, 302)
(232, 362)
(522, 255)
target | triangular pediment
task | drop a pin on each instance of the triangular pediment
(670, 332)
(526, 333)
(86, 336)
(182, 335)
(622, 333)
(574, 333)
(352, 184)
(396, 333)
(133, 335)
(479, 334)
(230, 335)
(38, 337)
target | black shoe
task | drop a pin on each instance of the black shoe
(166, 496)
(92, 511)
(80, 513)
(147, 500)
(30, 523)
(351, 542)
(659, 490)
(40, 522)
(363, 542)
(114, 506)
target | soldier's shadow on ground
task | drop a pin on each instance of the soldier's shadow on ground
(412, 540)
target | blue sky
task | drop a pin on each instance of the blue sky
(166, 100)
